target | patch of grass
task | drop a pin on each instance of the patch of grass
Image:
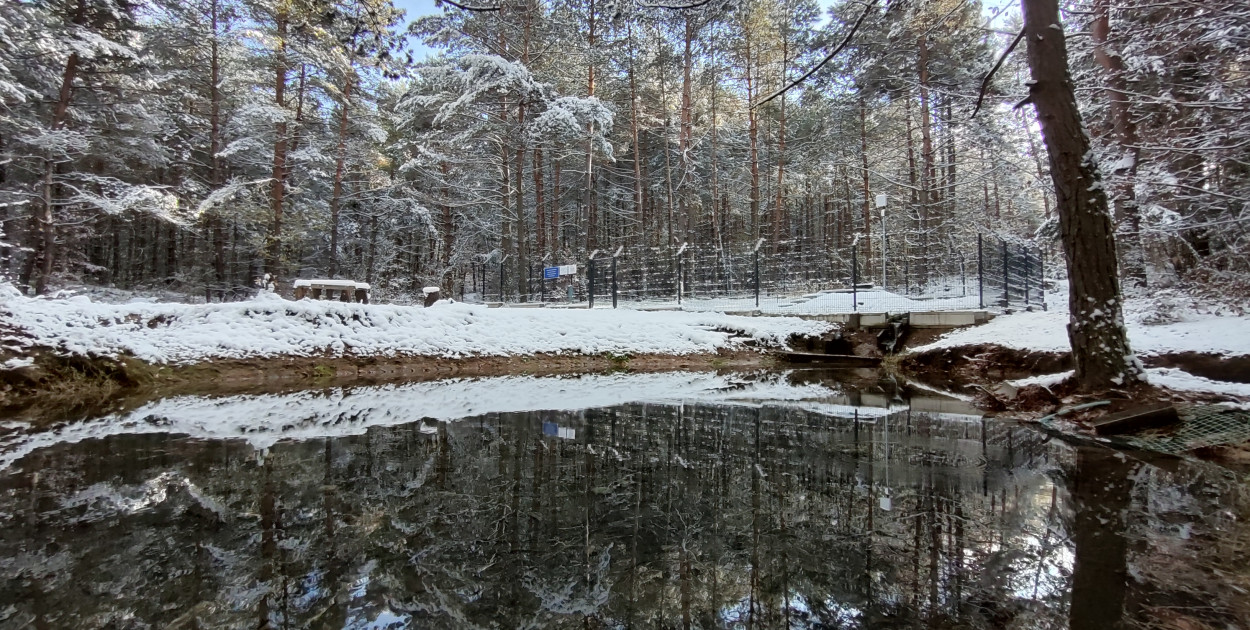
(322, 372)
(619, 361)
(66, 384)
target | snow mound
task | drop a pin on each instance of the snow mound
(269, 326)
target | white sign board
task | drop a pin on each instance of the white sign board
(881, 200)
(568, 270)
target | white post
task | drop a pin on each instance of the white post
(881, 198)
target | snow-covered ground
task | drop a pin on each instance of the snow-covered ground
(1170, 378)
(1194, 330)
(1156, 326)
(270, 326)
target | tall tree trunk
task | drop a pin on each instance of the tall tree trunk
(686, 133)
(928, 166)
(775, 237)
(447, 227)
(1096, 330)
(913, 178)
(522, 233)
(555, 204)
(373, 247)
(753, 138)
(592, 237)
(717, 217)
(214, 144)
(277, 187)
(505, 194)
(867, 190)
(668, 178)
(633, 132)
(340, 159)
(1132, 258)
(540, 205)
(522, 228)
(47, 222)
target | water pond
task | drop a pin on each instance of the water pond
(764, 500)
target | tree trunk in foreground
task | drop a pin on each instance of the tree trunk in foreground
(1100, 348)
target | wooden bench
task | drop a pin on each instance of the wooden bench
(329, 289)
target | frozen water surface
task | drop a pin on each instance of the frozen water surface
(769, 500)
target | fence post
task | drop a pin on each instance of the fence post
(678, 281)
(529, 283)
(680, 251)
(1006, 278)
(542, 282)
(963, 277)
(1041, 275)
(980, 275)
(854, 278)
(614, 281)
(907, 276)
(756, 255)
(1026, 279)
(501, 284)
(590, 274)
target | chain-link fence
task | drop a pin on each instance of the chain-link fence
(795, 277)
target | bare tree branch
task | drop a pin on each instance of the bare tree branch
(834, 53)
(470, 8)
(985, 83)
(692, 5)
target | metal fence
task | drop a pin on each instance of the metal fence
(800, 277)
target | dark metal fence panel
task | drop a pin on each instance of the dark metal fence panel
(799, 277)
(1011, 274)
(647, 275)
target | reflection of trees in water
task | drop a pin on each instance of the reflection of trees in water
(651, 516)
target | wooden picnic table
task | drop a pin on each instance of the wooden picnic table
(330, 288)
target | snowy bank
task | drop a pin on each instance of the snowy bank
(1046, 331)
(1171, 378)
(270, 326)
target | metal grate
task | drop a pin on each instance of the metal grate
(1200, 426)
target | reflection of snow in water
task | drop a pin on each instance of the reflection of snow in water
(103, 500)
(263, 420)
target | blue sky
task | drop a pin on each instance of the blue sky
(415, 9)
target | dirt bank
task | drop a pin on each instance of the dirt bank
(984, 367)
(56, 385)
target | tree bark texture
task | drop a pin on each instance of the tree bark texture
(277, 187)
(1096, 330)
(340, 159)
(218, 228)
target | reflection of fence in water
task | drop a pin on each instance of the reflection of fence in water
(966, 451)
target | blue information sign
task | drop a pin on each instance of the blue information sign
(551, 273)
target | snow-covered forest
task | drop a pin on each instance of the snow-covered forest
(185, 144)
